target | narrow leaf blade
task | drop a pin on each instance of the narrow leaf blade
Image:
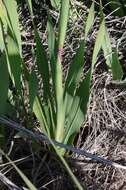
(4, 83)
(42, 63)
(107, 49)
(75, 70)
(38, 110)
(74, 76)
(98, 43)
(11, 7)
(14, 62)
(33, 87)
(79, 108)
(90, 20)
(117, 72)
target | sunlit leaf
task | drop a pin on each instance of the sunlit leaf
(29, 2)
(59, 91)
(11, 7)
(2, 44)
(107, 49)
(14, 62)
(3, 14)
(90, 20)
(52, 48)
(79, 108)
(74, 75)
(76, 68)
(51, 37)
(98, 43)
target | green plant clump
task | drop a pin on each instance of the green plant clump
(62, 110)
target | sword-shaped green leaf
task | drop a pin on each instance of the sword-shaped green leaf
(4, 83)
(74, 76)
(14, 62)
(78, 108)
(42, 63)
(75, 70)
(59, 91)
(33, 87)
(117, 72)
(52, 49)
(107, 49)
(13, 20)
(90, 20)
(39, 112)
(98, 43)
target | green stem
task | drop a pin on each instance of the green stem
(59, 86)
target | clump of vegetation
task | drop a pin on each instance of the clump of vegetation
(62, 107)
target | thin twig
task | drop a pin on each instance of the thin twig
(42, 137)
